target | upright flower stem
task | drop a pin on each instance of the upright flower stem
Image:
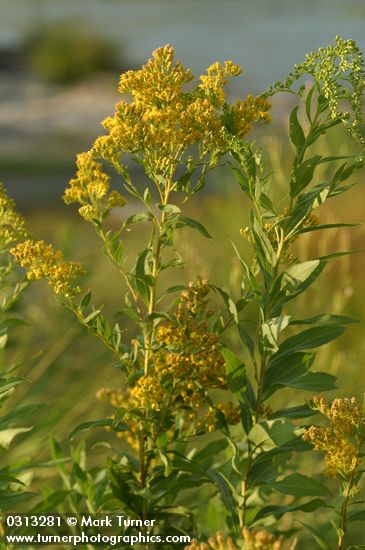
(143, 464)
(260, 383)
(155, 266)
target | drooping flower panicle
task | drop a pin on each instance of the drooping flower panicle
(12, 224)
(42, 261)
(90, 188)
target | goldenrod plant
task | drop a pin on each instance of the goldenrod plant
(14, 420)
(199, 401)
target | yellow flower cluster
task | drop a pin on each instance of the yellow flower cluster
(186, 365)
(42, 261)
(121, 398)
(162, 120)
(252, 540)
(338, 439)
(216, 542)
(189, 362)
(245, 112)
(212, 84)
(12, 224)
(262, 540)
(90, 188)
(230, 410)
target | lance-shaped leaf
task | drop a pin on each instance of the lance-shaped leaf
(292, 371)
(237, 379)
(278, 511)
(299, 485)
(265, 253)
(295, 130)
(194, 224)
(303, 175)
(292, 282)
(309, 339)
(271, 330)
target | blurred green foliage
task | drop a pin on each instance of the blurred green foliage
(64, 54)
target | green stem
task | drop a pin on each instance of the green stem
(347, 495)
(343, 513)
(70, 305)
(155, 268)
(120, 268)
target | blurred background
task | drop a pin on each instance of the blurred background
(59, 68)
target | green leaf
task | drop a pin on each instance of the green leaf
(264, 251)
(299, 485)
(291, 370)
(236, 371)
(325, 319)
(241, 179)
(305, 203)
(92, 424)
(324, 226)
(183, 183)
(279, 511)
(140, 217)
(3, 341)
(292, 282)
(246, 339)
(224, 486)
(116, 248)
(303, 175)
(92, 316)
(18, 413)
(10, 479)
(308, 102)
(358, 515)
(338, 254)
(209, 453)
(301, 411)
(260, 437)
(143, 274)
(10, 500)
(85, 300)
(175, 288)
(190, 222)
(171, 209)
(281, 371)
(296, 132)
(271, 330)
(50, 503)
(227, 492)
(7, 436)
(314, 381)
(229, 303)
(319, 538)
(311, 338)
